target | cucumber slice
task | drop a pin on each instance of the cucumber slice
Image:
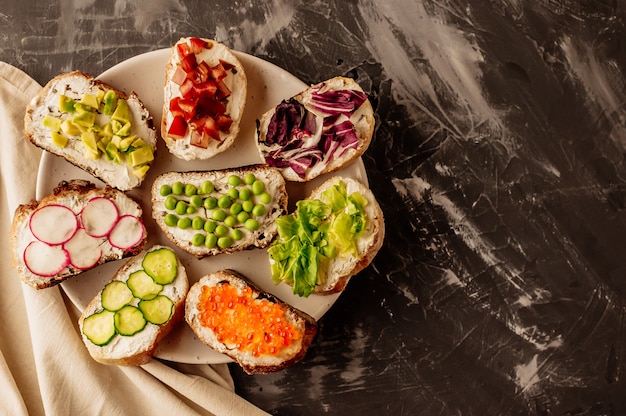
(161, 265)
(143, 286)
(158, 310)
(129, 320)
(99, 328)
(116, 295)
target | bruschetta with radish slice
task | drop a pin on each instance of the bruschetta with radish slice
(204, 98)
(76, 228)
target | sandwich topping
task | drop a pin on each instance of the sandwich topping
(127, 307)
(64, 237)
(216, 215)
(242, 320)
(318, 231)
(202, 100)
(302, 136)
(100, 124)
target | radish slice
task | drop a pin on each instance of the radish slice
(45, 260)
(99, 216)
(53, 224)
(127, 233)
(84, 250)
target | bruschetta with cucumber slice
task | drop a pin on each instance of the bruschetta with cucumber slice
(125, 321)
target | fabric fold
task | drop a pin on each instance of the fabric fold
(44, 366)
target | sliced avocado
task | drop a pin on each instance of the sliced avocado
(59, 139)
(51, 122)
(85, 118)
(90, 100)
(107, 130)
(124, 130)
(121, 112)
(110, 102)
(140, 155)
(115, 126)
(141, 170)
(66, 104)
(113, 153)
(90, 141)
(126, 142)
(139, 143)
(69, 128)
(103, 142)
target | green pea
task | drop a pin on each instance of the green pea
(224, 242)
(242, 216)
(184, 223)
(251, 224)
(209, 203)
(191, 209)
(258, 187)
(170, 202)
(258, 210)
(165, 190)
(249, 178)
(190, 189)
(224, 201)
(196, 201)
(197, 223)
(221, 230)
(234, 180)
(177, 188)
(209, 226)
(170, 220)
(236, 234)
(181, 207)
(247, 206)
(265, 198)
(235, 208)
(218, 215)
(244, 194)
(230, 221)
(210, 241)
(198, 239)
(233, 193)
(206, 187)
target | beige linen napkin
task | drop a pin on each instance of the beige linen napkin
(44, 366)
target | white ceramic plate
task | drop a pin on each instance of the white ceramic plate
(144, 74)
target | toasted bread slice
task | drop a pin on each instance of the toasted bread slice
(66, 239)
(249, 219)
(257, 330)
(354, 233)
(115, 145)
(111, 340)
(205, 96)
(320, 130)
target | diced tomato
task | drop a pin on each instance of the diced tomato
(206, 89)
(222, 90)
(188, 63)
(175, 108)
(210, 106)
(178, 129)
(227, 65)
(210, 128)
(199, 139)
(201, 73)
(224, 122)
(197, 45)
(183, 49)
(186, 90)
(218, 72)
(188, 108)
(179, 76)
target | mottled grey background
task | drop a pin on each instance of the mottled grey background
(498, 160)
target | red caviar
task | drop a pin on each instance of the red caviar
(256, 325)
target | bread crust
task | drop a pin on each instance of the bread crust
(363, 120)
(74, 194)
(75, 83)
(149, 342)
(236, 81)
(260, 238)
(249, 363)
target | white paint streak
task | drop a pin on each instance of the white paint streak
(454, 58)
(411, 187)
(526, 374)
